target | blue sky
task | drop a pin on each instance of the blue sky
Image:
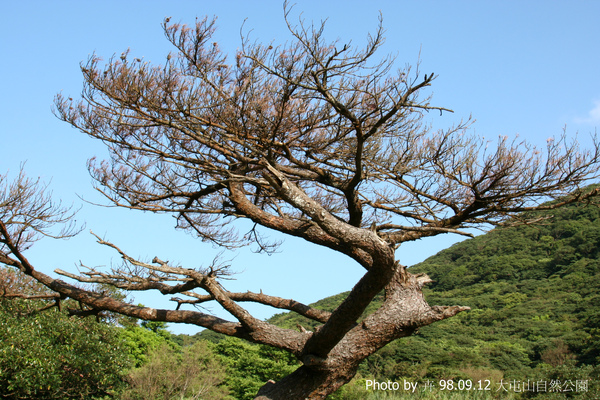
(518, 67)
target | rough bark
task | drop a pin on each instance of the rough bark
(404, 310)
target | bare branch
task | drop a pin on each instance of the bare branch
(28, 213)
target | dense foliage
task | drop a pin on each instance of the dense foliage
(534, 291)
(47, 355)
(191, 373)
(250, 366)
(140, 341)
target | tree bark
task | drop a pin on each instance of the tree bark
(307, 383)
(403, 311)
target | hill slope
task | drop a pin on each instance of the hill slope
(535, 298)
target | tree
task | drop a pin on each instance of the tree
(312, 139)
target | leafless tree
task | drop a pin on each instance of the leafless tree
(312, 139)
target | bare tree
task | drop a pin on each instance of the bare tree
(312, 139)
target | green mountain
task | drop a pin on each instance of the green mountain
(534, 293)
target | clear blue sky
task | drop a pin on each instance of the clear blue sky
(518, 67)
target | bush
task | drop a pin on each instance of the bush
(192, 373)
(47, 355)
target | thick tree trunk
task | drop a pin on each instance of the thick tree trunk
(403, 311)
(307, 383)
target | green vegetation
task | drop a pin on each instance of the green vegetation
(534, 293)
(535, 298)
(141, 341)
(191, 373)
(47, 355)
(250, 366)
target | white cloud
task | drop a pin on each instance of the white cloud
(593, 116)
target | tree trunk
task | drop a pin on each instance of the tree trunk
(307, 383)
(403, 311)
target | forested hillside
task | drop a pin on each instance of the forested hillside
(534, 293)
